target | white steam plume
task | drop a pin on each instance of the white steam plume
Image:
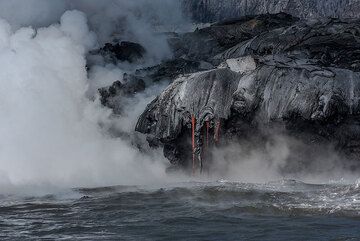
(49, 130)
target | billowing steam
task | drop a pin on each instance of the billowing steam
(51, 134)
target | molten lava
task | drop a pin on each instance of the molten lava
(193, 127)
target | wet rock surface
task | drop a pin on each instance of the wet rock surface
(300, 79)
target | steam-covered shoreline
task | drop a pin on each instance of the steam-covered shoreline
(109, 61)
(179, 120)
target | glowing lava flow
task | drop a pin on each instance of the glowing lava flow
(207, 123)
(217, 131)
(193, 126)
(205, 144)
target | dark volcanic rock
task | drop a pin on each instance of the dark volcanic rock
(303, 79)
(112, 96)
(169, 70)
(329, 43)
(320, 99)
(218, 10)
(207, 42)
(207, 95)
(123, 51)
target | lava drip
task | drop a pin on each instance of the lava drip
(217, 132)
(193, 127)
(207, 129)
(202, 142)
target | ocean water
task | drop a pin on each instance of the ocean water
(283, 210)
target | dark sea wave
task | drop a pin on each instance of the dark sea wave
(285, 210)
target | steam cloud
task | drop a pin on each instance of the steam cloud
(50, 132)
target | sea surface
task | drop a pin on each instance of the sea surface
(283, 210)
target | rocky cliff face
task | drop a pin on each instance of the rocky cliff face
(216, 10)
(249, 80)
(301, 79)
